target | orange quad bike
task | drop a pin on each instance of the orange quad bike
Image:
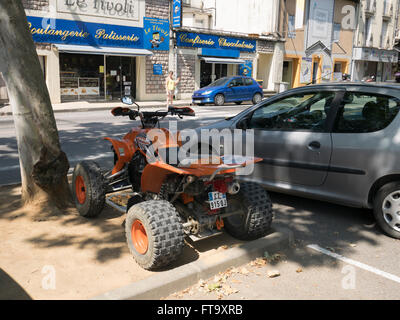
(169, 200)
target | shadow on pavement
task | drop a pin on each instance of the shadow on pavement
(10, 289)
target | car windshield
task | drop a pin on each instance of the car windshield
(219, 82)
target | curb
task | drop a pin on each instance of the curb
(165, 283)
(86, 109)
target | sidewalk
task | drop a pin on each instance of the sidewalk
(98, 105)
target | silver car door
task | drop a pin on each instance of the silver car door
(290, 136)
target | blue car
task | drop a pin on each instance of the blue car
(229, 89)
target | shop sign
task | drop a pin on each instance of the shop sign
(118, 9)
(305, 71)
(85, 33)
(199, 40)
(177, 14)
(157, 69)
(156, 34)
(246, 69)
(375, 55)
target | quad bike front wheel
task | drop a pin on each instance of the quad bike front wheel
(88, 189)
(154, 233)
(256, 218)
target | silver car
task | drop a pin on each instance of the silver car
(337, 142)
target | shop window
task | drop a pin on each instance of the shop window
(363, 113)
(338, 67)
(221, 70)
(81, 76)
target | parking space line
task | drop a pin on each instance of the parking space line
(355, 263)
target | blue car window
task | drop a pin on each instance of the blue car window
(236, 82)
(248, 81)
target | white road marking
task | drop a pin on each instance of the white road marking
(355, 263)
(9, 168)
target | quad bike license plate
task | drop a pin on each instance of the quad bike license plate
(217, 200)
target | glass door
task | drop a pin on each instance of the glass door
(120, 77)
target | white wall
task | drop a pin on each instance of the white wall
(245, 16)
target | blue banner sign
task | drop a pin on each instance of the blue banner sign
(157, 69)
(84, 33)
(156, 34)
(246, 69)
(199, 40)
(177, 14)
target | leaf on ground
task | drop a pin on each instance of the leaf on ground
(244, 271)
(228, 290)
(236, 281)
(299, 270)
(273, 273)
(353, 245)
(259, 262)
(214, 286)
(201, 283)
(224, 247)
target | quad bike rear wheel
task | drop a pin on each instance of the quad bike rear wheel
(255, 221)
(154, 233)
(88, 189)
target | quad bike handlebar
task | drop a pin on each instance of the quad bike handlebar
(147, 115)
(134, 114)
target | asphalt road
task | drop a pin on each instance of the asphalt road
(82, 133)
(339, 253)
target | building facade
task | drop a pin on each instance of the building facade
(319, 40)
(101, 49)
(374, 53)
(222, 38)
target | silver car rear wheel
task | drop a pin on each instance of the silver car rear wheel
(391, 210)
(387, 209)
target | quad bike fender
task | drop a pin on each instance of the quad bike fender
(155, 173)
(124, 149)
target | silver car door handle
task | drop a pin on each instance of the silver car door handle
(315, 145)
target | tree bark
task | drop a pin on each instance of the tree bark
(44, 166)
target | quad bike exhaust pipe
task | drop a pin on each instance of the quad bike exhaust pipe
(233, 188)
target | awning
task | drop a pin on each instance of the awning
(109, 51)
(222, 60)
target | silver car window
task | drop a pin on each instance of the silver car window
(365, 112)
(305, 112)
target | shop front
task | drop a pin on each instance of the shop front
(215, 57)
(370, 62)
(95, 61)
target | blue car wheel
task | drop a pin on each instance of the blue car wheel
(219, 99)
(257, 98)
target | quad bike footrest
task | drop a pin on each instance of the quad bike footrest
(118, 201)
(204, 235)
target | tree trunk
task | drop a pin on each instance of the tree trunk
(44, 166)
